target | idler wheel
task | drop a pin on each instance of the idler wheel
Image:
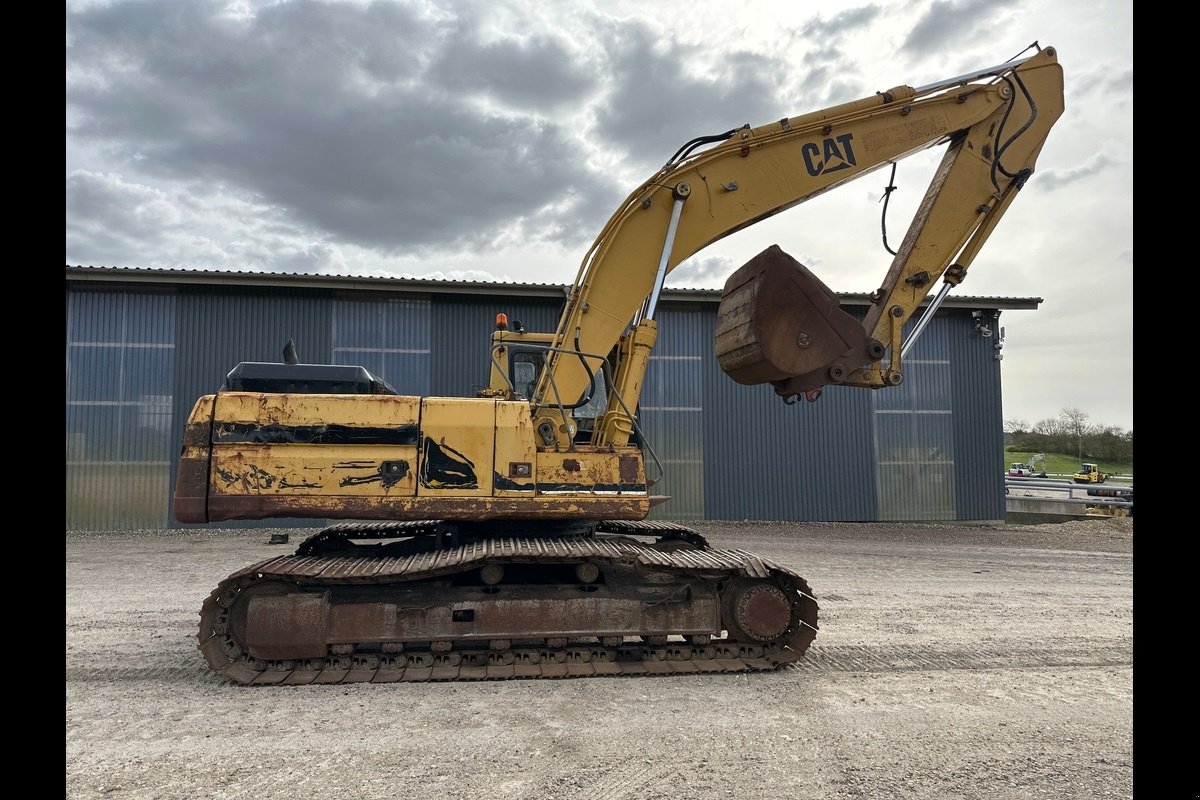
(759, 610)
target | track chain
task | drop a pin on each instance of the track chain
(503, 660)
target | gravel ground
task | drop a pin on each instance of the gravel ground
(952, 662)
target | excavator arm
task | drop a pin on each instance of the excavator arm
(993, 123)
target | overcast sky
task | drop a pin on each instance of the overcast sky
(492, 140)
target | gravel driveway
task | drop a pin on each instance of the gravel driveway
(952, 662)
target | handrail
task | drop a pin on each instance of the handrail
(562, 409)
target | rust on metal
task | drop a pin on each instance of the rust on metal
(190, 503)
(195, 434)
(251, 506)
(778, 320)
(406, 608)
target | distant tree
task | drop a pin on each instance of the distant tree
(1075, 421)
(1070, 431)
(1111, 444)
(1049, 428)
(1015, 426)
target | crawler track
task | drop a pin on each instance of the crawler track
(403, 608)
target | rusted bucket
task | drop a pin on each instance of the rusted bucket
(777, 320)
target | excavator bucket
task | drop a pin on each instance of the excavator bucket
(777, 320)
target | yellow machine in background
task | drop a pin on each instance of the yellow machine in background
(506, 540)
(1089, 473)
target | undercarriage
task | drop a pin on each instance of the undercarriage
(435, 601)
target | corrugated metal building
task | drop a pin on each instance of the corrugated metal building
(142, 345)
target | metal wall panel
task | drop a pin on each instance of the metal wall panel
(914, 434)
(978, 418)
(765, 460)
(389, 336)
(671, 411)
(120, 363)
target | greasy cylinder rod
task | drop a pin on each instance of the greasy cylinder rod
(971, 76)
(925, 318)
(680, 193)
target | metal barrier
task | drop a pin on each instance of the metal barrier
(1115, 495)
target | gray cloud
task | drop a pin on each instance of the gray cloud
(118, 222)
(830, 74)
(656, 104)
(311, 107)
(1118, 85)
(108, 216)
(702, 272)
(537, 74)
(1050, 179)
(948, 23)
(823, 29)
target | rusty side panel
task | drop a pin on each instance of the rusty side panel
(299, 411)
(603, 472)
(363, 457)
(568, 506)
(630, 469)
(300, 625)
(287, 626)
(190, 502)
(303, 455)
(306, 470)
(516, 451)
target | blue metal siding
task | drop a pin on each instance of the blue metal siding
(978, 419)
(388, 336)
(914, 434)
(671, 411)
(806, 462)
(766, 460)
(120, 364)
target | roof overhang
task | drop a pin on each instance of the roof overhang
(163, 278)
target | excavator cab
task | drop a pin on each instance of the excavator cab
(524, 369)
(518, 360)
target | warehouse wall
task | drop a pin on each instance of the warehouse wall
(927, 450)
(120, 368)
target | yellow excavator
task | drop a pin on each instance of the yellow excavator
(506, 535)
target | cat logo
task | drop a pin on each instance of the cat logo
(834, 154)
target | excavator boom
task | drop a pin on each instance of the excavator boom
(994, 123)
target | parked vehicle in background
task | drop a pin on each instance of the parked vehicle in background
(1035, 468)
(1089, 473)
